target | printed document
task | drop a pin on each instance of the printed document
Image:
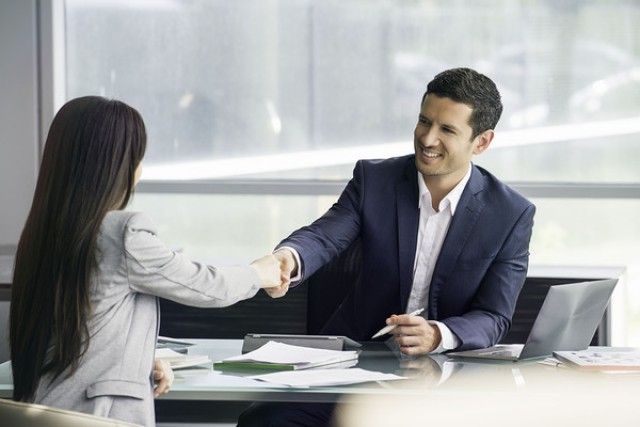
(278, 356)
(180, 360)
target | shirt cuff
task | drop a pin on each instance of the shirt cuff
(448, 341)
(298, 277)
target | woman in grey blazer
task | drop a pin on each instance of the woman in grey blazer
(84, 309)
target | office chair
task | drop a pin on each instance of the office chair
(19, 414)
(330, 285)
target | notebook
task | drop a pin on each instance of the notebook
(569, 317)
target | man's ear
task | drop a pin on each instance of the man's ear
(483, 141)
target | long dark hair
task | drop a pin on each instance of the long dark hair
(88, 168)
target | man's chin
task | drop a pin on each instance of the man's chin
(427, 170)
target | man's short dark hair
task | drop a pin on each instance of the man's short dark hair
(473, 89)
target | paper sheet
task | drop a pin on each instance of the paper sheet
(179, 360)
(325, 377)
(277, 353)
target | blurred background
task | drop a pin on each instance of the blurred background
(257, 110)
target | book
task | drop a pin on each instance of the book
(602, 360)
(278, 356)
(179, 360)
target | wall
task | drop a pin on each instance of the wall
(19, 117)
(4, 331)
(19, 121)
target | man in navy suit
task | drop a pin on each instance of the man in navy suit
(437, 232)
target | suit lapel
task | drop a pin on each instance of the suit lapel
(408, 217)
(460, 229)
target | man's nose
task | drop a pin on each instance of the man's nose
(428, 137)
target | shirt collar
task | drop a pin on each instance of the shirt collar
(453, 198)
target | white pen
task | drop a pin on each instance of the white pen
(390, 328)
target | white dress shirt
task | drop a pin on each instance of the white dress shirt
(432, 230)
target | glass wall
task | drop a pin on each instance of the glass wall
(298, 90)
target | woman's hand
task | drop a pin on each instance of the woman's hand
(163, 377)
(269, 271)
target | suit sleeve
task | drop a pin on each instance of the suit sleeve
(155, 269)
(332, 233)
(492, 307)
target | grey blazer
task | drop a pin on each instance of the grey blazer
(134, 268)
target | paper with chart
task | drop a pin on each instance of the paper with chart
(601, 359)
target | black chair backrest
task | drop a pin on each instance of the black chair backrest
(330, 285)
(260, 314)
(306, 308)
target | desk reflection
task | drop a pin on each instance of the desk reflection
(463, 392)
(438, 390)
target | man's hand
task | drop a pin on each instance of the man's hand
(288, 263)
(287, 268)
(163, 376)
(423, 368)
(414, 335)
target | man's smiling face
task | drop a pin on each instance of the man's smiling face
(443, 140)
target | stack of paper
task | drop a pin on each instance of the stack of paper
(180, 360)
(278, 356)
(601, 359)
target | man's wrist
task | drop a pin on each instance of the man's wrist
(448, 340)
(297, 271)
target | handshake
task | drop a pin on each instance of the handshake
(275, 272)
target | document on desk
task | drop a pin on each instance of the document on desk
(178, 345)
(180, 360)
(284, 357)
(325, 377)
(601, 359)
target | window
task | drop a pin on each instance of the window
(315, 85)
(252, 104)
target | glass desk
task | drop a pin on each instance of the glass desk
(211, 385)
(432, 382)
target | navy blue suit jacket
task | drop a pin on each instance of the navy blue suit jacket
(479, 272)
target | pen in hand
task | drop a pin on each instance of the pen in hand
(390, 328)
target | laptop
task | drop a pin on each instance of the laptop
(568, 319)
